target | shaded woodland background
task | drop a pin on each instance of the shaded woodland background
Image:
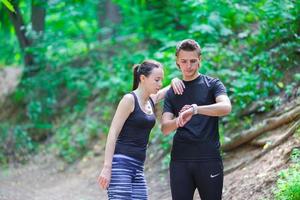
(74, 62)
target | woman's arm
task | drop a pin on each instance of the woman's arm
(124, 109)
(176, 84)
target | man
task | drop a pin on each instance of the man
(195, 157)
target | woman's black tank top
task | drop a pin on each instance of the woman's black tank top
(134, 136)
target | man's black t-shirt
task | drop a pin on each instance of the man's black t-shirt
(198, 140)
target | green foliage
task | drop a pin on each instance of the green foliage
(166, 162)
(297, 77)
(295, 156)
(249, 45)
(166, 142)
(288, 184)
(8, 5)
(72, 141)
(15, 143)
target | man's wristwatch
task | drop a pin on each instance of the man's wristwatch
(194, 106)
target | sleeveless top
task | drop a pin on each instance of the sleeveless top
(134, 136)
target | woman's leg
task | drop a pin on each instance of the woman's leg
(120, 187)
(139, 186)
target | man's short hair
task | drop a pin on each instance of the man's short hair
(188, 45)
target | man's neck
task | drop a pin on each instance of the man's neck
(190, 78)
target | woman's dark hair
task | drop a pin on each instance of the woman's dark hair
(145, 68)
(188, 45)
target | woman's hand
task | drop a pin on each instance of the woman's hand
(104, 177)
(177, 86)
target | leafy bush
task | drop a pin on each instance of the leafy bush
(288, 185)
(15, 143)
(74, 136)
(249, 45)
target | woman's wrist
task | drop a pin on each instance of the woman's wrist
(107, 166)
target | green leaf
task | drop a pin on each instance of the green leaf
(297, 77)
(280, 84)
(8, 5)
(203, 28)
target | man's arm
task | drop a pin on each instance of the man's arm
(168, 123)
(222, 107)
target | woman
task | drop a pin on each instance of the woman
(122, 174)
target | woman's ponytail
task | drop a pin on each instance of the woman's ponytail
(135, 76)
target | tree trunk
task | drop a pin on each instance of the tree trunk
(108, 17)
(38, 14)
(282, 139)
(266, 125)
(20, 29)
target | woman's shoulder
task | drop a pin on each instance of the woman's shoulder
(129, 98)
(128, 101)
(126, 104)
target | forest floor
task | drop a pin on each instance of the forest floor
(45, 177)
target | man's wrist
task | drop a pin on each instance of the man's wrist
(195, 110)
(176, 122)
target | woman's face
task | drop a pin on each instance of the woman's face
(153, 82)
(189, 63)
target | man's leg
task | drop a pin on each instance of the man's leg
(209, 179)
(182, 183)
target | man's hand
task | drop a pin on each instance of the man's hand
(185, 115)
(184, 108)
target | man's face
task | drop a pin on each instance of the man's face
(189, 63)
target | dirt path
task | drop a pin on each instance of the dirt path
(46, 178)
